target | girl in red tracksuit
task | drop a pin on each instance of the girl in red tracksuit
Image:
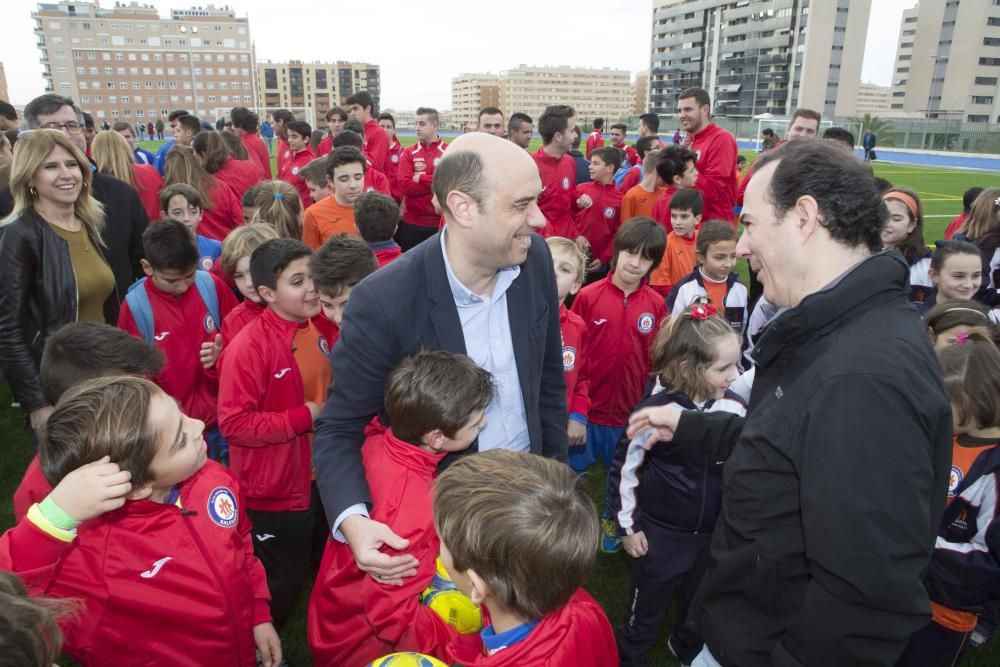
(235, 261)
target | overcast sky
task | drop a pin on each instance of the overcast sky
(422, 45)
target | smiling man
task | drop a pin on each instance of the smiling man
(716, 151)
(483, 286)
(804, 125)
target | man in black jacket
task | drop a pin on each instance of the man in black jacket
(835, 482)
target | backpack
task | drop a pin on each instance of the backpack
(142, 310)
(622, 173)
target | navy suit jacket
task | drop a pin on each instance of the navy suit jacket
(407, 306)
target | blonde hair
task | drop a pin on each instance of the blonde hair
(649, 162)
(114, 156)
(242, 241)
(982, 214)
(30, 151)
(563, 244)
(183, 167)
(685, 347)
(278, 205)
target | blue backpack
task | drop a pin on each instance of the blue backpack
(142, 311)
(622, 173)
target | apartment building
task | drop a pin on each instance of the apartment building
(127, 62)
(759, 56)
(591, 92)
(640, 91)
(317, 86)
(470, 93)
(948, 61)
(872, 99)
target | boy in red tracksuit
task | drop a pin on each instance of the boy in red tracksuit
(181, 322)
(675, 165)
(235, 262)
(618, 133)
(598, 208)
(299, 134)
(388, 123)
(376, 144)
(273, 382)
(377, 216)
(595, 139)
(435, 402)
(341, 262)
(169, 577)
(415, 176)
(557, 170)
(533, 598)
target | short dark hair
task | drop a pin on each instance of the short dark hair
(385, 115)
(517, 119)
(767, 132)
(645, 144)
(299, 127)
(489, 110)
(883, 184)
(190, 123)
(362, 98)
(272, 257)
(609, 155)
(687, 199)
(244, 119)
(841, 135)
(284, 115)
(620, 126)
(650, 120)
(249, 198)
(337, 111)
(177, 113)
(430, 112)
(850, 204)
(435, 390)
(29, 625)
(354, 125)
(700, 96)
(741, 159)
(714, 231)
(462, 171)
(170, 245)
(377, 216)
(7, 110)
(190, 194)
(342, 155)
(578, 138)
(673, 161)
(342, 261)
(315, 171)
(969, 196)
(46, 104)
(554, 120)
(808, 114)
(234, 146)
(86, 350)
(643, 235)
(598, 123)
(946, 249)
(348, 138)
(88, 120)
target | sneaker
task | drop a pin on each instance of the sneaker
(610, 541)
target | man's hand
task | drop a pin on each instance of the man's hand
(577, 432)
(663, 419)
(93, 489)
(584, 201)
(210, 351)
(636, 545)
(366, 537)
(268, 644)
(39, 417)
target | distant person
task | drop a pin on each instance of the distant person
(139, 154)
(618, 134)
(519, 129)
(557, 171)
(649, 125)
(298, 133)
(632, 175)
(768, 140)
(595, 139)
(803, 125)
(416, 175)
(968, 197)
(279, 120)
(113, 156)
(361, 107)
(582, 163)
(267, 134)
(187, 128)
(388, 123)
(150, 130)
(640, 200)
(245, 124)
(8, 116)
(335, 119)
(490, 121)
(677, 137)
(716, 150)
(868, 143)
(159, 128)
(161, 155)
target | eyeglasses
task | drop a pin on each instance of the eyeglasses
(72, 127)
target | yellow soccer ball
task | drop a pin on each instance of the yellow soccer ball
(449, 603)
(407, 660)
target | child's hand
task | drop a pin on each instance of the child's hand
(594, 266)
(577, 432)
(268, 643)
(584, 201)
(92, 489)
(210, 351)
(635, 544)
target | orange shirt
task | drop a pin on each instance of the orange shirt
(678, 260)
(327, 218)
(312, 350)
(640, 201)
(716, 292)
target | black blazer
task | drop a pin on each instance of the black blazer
(407, 306)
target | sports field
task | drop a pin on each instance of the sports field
(941, 193)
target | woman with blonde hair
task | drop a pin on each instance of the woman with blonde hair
(55, 269)
(115, 158)
(222, 212)
(278, 205)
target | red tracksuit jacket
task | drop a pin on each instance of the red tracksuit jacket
(395, 155)
(630, 153)
(632, 179)
(352, 618)
(289, 173)
(376, 145)
(577, 635)
(420, 159)
(284, 153)
(258, 151)
(386, 252)
(263, 415)
(239, 175)
(600, 221)
(148, 184)
(620, 333)
(240, 316)
(558, 180)
(376, 180)
(180, 325)
(716, 151)
(225, 215)
(594, 140)
(160, 584)
(575, 352)
(325, 147)
(661, 209)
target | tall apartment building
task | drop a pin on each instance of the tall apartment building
(4, 95)
(129, 63)
(640, 91)
(948, 61)
(470, 93)
(872, 99)
(316, 86)
(759, 56)
(591, 92)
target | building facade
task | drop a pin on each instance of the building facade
(129, 63)
(640, 90)
(315, 86)
(872, 99)
(591, 92)
(760, 56)
(4, 94)
(470, 93)
(948, 61)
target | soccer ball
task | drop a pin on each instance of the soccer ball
(449, 603)
(407, 660)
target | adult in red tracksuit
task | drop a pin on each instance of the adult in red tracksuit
(376, 145)
(716, 151)
(239, 175)
(742, 188)
(225, 215)
(160, 583)
(353, 619)
(392, 166)
(258, 150)
(600, 221)
(575, 356)
(594, 140)
(289, 172)
(416, 173)
(556, 201)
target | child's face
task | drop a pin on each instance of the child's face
(899, 224)
(171, 281)
(179, 209)
(719, 259)
(180, 449)
(348, 182)
(333, 306)
(463, 438)
(318, 191)
(725, 369)
(631, 267)
(248, 213)
(684, 221)
(244, 283)
(336, 124)
(688, 178)
(386, 125)
(601, 171)
(296, 141)
(959, 278)
(567, 273)
(294, 297)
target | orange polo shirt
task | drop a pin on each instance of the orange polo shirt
(678, 261)
(327, 218)
(639, 201)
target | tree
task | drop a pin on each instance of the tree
(880, 127)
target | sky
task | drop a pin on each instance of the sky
(430, 42)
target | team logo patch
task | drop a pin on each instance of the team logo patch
(324, 346)
(222, 508)
(287, 154)
(646, 322)
(206, 263)
(419, 164)
(395, 158)
(609, 212)
(295, 171)
(954, 479)
(209, 323)
(569, 358)
(565, 182)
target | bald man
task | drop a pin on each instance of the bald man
(483, 286)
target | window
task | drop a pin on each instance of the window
(986, 80)
(906, 45)
(977, 118)
(993, 20)
(995, 62)
(991, 41)
(907, 57)
(982, 99)
(85, 99)
(902, 70)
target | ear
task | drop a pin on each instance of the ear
(434, 439)
(147, 268)
(463, 208)
(807, 212)
(934, 276)
(576, 287)
(267, 294)
(141, 493)
(480, 590)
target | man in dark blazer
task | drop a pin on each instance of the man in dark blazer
(451, 293)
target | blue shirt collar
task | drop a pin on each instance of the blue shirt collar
(382, 245)
(464, 296)
(494, 643)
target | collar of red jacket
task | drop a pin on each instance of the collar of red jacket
(410, 455)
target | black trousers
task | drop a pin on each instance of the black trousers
(933, 646)
(283, 543)
(409, 235)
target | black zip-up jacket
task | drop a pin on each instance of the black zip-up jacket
(835, 485)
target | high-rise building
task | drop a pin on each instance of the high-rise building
(316, 86)
(129, 63)
(470, 93)
(4, 95)
(756, 57)
(641, 91)
(948, 61)
(872, 99)
(591, 92)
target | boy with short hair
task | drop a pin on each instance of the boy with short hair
(679, 258)
(618, 134)
(273, 383)
(416, 173)
(598, 208)
(182, 203)
(376, 144)
(298, 134)
(340, 264)
(596, 138)
(377, 217)
(351, 136)
(345, 175)
(640, 200)
(518, 535)
(436, 403)
(388, 123)
(314, 174)
(676, 168)
(235, 262)
(180, 309)
(631, 178)
(187, 127)
(335, 119)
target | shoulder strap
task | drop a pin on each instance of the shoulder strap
(206, 289)
(142, 311)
